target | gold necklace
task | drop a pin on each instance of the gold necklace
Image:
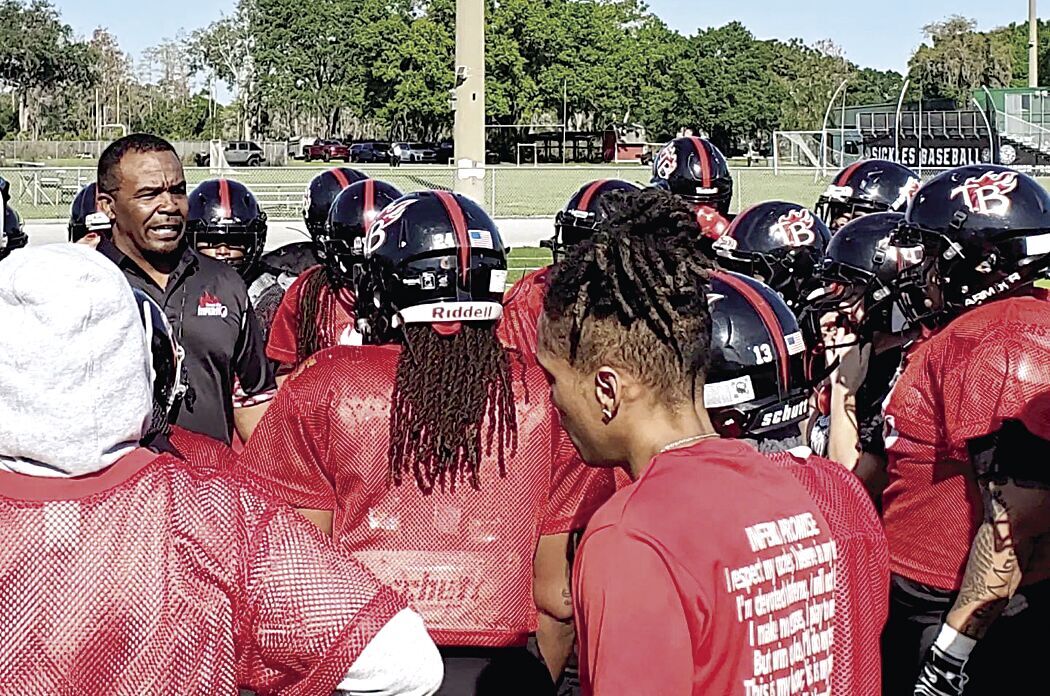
(686, 440)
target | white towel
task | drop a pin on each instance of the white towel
(75, 394)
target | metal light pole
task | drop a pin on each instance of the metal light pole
(469, 129)
(1033, 46)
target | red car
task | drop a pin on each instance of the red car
(327, 150)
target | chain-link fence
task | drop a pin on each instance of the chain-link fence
(33, 151)
(510, 192)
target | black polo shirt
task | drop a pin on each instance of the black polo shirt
(208, 307)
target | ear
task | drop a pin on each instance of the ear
(608, 391)
(104, 202)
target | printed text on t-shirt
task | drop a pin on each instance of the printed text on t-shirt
(785, 597)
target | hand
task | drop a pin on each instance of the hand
(941, 675)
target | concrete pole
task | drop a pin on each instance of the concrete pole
(469, 130)
(1033, 45)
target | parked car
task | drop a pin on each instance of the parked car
(422, 153)
(370, 152)
(327, 150)
(238, 153)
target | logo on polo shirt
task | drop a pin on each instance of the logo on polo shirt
(211, 306)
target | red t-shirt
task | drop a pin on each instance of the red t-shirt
(156, 574)
(283, 344)
(862, 570)
(522, 308)
(713, 573)
(201, 450)
(989, 365)
(464, 557)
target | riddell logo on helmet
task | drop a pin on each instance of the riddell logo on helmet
(796, 227)
(211, 306)
(463, 313)
(987, 194)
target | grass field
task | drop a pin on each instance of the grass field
(523, 260)
(46, 193)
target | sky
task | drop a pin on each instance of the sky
(879, 35)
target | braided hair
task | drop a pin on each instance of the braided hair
(635, 293)
(447, 388)
(316, 316)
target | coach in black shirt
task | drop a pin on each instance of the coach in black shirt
(142, 189)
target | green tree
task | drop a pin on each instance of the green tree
(223, 50)
(958, 60)
(1014, 37)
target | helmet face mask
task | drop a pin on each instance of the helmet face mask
(985, 233)
(224, 212)
(581, 216)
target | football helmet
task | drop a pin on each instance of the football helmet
(431, 257)
(756, 381)
(583, 212)
(696, 170)
(780, 243)
(84, 215)
(340, 246)
(320, 194)
(985, 232)
(867, 186)
(224, 211)
(860, 268)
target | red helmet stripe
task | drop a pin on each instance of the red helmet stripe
(768, 317)
(589, 194)
(370, 203)
(705, 160)
(340, 177)
(848, 172)
(224, 199)
(459, 227)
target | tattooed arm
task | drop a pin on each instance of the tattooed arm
(1012, 469)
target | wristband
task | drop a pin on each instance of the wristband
(953, 643)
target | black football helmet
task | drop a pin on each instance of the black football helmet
(867, 186)
(320, 194)
(696, 170)
(165, 357)
(861, 266)
(780, 243)
(431, 257)
(985, 232)
(224, 211)
(341, 245)
(12, 234)
(84, 215)
(756, 381)
(583, 212)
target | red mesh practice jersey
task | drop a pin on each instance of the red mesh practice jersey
(862, 571)
(283, 343)
(462, 558)
(201, 450)
(522, 308)
(713, 573)
(990, 365)
(155, 576)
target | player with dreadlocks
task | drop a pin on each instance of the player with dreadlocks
(433, 455)
(317, 311)
(660, 608)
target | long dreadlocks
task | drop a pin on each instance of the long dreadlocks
(636, 292)
(447, 389)
(316, 315)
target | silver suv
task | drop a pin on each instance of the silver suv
(238, 153)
